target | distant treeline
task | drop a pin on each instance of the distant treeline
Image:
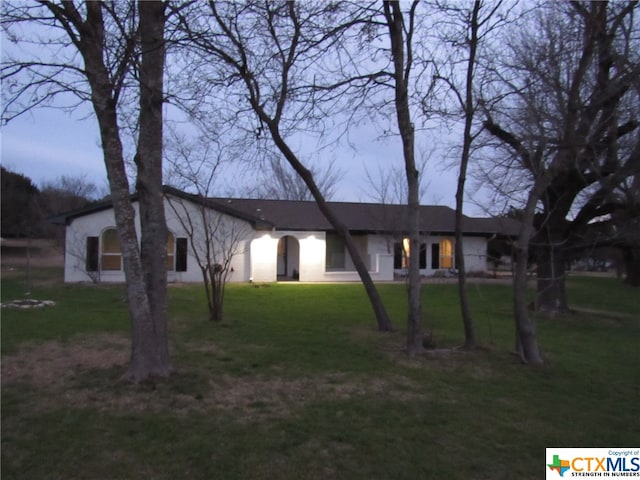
(27, 209)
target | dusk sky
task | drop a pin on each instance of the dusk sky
(47, 143)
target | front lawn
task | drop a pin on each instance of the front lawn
(296, 383)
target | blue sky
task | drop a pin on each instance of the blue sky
(48, 143)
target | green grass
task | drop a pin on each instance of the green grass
(296, 383)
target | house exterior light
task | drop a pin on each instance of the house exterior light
(263, 250)
(313, 250)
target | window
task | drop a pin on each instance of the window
(406, 249)
(171, 250)
(446, 253)
(92, 260)
(176, 253)
(335, 258)
(423, 255)
(181, 255)
(111, 258)
(111, 255)
(398, 256)
(401, 254)
(435, 256)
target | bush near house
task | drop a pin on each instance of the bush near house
(296, 383)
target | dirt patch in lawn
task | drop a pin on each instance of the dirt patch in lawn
(476, 363)
(449, 358)
(260, 396)
(85, 373)
(54, 363)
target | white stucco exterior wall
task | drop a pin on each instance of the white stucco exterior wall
(264, 253)
(230, 236)
(313, 257)
(475, 254)
(76, 244)
(375, 252)
(257, 253)
(94, 224)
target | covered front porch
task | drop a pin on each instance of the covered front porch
(312, 257)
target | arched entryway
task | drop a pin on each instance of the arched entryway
(288, 259)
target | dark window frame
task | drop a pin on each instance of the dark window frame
(92, 259)
(182, 247)
(401, 260)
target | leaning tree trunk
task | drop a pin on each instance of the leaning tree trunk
(526, 339)
(382, 318)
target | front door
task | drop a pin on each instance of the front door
(288, 258)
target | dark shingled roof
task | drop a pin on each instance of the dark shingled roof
(359, 217)
(363, 217)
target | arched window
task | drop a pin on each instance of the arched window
(446, 253)
(111, 255)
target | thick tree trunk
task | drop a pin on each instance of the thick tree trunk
(143, 363)
(152, 356)
(551, 296)
(550, 245)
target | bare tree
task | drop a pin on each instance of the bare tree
(474, 24)
(90, 53)
(626, 219)
(564, 123)
(467, 27)
(281, 182)
(64, 194)
(269, 52)
(77, 189)
(401, 30)
(215, 238)
(614, 223)
(388, 184)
